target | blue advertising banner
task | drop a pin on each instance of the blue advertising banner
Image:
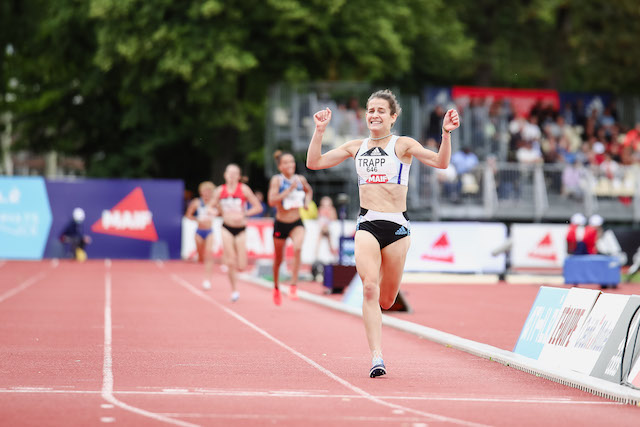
(434, 95)
(540, 322)
(124, 218)
(584, 103)
(25, 217)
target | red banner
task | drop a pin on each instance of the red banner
(521, 99)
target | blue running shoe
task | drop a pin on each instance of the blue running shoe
(377, 369)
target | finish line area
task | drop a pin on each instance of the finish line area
(140, 343)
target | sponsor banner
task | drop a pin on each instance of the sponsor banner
(588, 101)
(522, 100)
(124, 218)
(259, 239)
(538, 245)
(543, 316)
(586, 345)
(456, 247)
(573, 314)
(25, 217)
(434, 95)
(609, 363)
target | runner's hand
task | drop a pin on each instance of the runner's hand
(322, 119)
(451, 120)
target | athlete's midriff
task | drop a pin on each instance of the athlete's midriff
(234, 219)
(287, 215)
(384, 197)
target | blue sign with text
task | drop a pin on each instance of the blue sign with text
(542, 318)
(25, 217)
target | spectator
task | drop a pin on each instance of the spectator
(632, 138)
(449, 182)
(592, 233)
(584, 155)
(464, 160)
(434, 127)
(565, 151)
(478, 117)
(527, 154)
(609, 168)
(550, 153)
(573, 176)
(568, 114)
(575, 234)
(598, 150)
(74, 237)
(531, 130)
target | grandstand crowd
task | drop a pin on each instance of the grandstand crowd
(575, 138)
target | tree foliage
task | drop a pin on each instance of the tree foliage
(177, 88)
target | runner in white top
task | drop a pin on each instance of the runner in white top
(382, 237)
(288, 192)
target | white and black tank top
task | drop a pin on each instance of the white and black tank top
(381, 166)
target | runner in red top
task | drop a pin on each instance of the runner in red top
(231, 199)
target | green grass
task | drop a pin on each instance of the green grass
(633, 279)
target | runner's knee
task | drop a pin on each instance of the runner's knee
(371, 290)
(386, 302)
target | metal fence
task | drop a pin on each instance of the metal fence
(513, 192)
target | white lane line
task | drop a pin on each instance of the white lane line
(306, 419)
(24, 285)
(303, 394)
(107, 368)
(436, 417)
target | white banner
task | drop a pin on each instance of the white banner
(437, 246)
(538, 245)
(456, 247)
(586, 345)
(260, 240)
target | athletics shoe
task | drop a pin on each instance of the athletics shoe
(206, 285)
(277, 299)
(234, 296)
(293, 292)
(377, 369)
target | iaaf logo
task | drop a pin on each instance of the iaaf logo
(130, 218)
(440, 250)
(377, 179)
(544, 249)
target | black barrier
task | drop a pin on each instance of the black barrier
(337, 277)
(629, 241)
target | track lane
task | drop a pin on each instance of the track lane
(222, 353)
(422, 369)
(177, 355)
(51, 341)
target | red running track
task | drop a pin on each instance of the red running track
(138, 343)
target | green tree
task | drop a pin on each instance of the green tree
(177, 89)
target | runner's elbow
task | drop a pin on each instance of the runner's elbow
(311, 164)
